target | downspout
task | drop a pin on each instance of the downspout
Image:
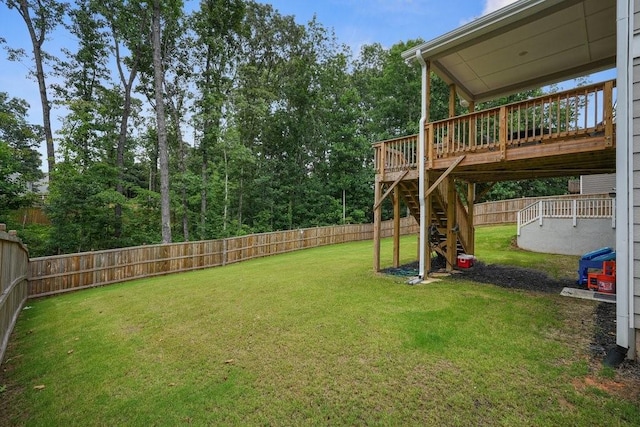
(421, 165)
(624, 176)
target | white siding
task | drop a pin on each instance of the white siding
(636, 172)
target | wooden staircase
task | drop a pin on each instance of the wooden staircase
(437, 232)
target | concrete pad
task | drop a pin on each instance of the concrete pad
(586, 294)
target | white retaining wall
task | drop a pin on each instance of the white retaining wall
(559, 236)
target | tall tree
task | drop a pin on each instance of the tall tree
(19, 158)
(83, 91)
(41, 17)
(129, 26)
(163, 149)
(216, 25)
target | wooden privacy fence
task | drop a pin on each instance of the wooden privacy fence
(14, 260)
(506, 211)
(57, 274)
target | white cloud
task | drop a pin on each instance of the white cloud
(492, 5)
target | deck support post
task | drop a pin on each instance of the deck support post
(451, 223)
(608, 113)
(452, 100)
(396, 227)
(425, 245)
(471, 196)
(473, 130)
(503, 133)
(377, 221)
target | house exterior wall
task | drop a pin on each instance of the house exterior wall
(559, 236)
(597, 184)
(635, 196)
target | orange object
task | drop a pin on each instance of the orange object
(605, 280)
(609, 268)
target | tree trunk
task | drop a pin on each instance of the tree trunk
(203, 196)
(226, 191)
(175, 113)
(36, 41)
(163, 151)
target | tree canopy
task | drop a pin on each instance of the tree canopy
(226, 120)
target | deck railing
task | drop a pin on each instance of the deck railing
(580, 112)
(569, 209)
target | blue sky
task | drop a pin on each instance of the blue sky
(355, 22)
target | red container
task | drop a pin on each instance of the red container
(465, 261)
(606, 284)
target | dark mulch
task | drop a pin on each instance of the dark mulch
(514, 278)
(604, 338)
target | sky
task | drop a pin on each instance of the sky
(355, 22)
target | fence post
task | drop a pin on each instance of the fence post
(575, 212)
(224, 252)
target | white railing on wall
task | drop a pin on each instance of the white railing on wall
(596, 208)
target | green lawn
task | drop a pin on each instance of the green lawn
(310, 338)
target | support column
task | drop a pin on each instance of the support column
(396, 228)
(471, 200)
(377, 221)
(422, 154)
(473, 138)
(452, 100)
(428, 213)
(451, 223)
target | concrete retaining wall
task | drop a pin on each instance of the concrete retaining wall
(559, 236)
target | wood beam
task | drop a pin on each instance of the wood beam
(396, 227)
(451, 223)
(608, 113)
(390, 189)
(471, 199)
(443, 176)
(452, 100)
(377, 222)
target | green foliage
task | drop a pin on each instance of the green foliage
(19, 158)
(81, 208)
(525, 188)
(269, 125)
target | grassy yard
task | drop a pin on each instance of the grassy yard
(312, 338)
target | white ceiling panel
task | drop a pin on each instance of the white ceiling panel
(529, 42)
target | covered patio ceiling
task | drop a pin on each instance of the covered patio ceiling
(528, 44)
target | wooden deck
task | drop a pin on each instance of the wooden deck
(568, 133)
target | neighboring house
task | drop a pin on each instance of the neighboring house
(528, 44)
(40, 187)
(604, 183)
